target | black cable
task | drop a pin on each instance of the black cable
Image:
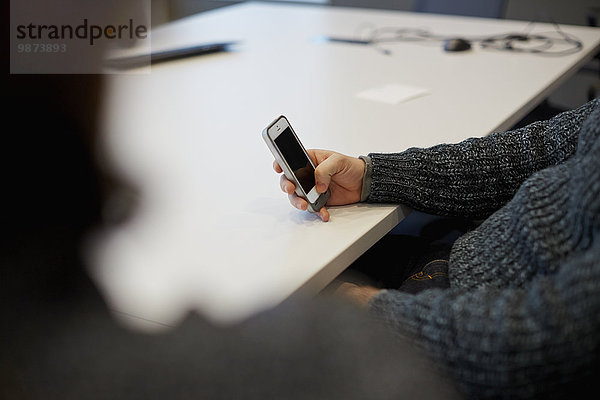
(536, 43)
(540, 43)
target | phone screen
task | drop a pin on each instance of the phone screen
(296, 159)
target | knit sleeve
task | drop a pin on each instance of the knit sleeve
(510, 343)
(475, 177)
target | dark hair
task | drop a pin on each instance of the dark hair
(53, 179)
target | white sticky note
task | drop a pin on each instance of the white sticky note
(393, 93)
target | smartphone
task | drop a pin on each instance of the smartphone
(294, 161)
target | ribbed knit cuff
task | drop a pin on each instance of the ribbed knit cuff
(366, 183)
(372, 306)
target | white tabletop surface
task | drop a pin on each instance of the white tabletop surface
(213, 232)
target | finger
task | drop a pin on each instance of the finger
(326, 170)
(298, 202)
(287, 186)
(318, 156)
(324, 214)
(276, 167)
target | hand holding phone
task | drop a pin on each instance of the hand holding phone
(295, 162)
(335, 173)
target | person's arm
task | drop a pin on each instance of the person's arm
(508, 343)
(477, 176)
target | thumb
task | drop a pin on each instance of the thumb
(326, 170)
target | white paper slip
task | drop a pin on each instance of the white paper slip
(393, 93)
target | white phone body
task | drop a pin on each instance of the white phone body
(294, 161)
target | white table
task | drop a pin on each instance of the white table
(213, 232)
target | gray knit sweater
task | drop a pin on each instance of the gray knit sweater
(522, 316)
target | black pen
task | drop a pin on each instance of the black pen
(166, 55)
(347, 40)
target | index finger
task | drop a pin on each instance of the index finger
(276, 167)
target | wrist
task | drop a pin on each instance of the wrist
(366, 181)
(359, 295)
